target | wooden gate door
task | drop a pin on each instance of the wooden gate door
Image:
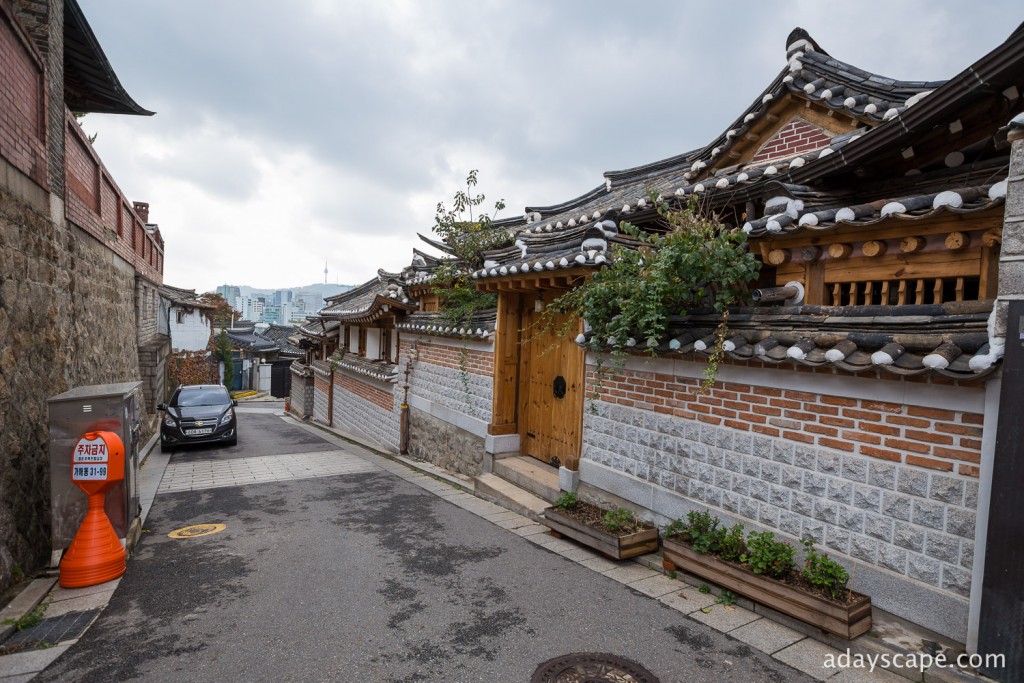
(551, 393)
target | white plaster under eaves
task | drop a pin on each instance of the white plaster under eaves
(454, 342)
(945, 397)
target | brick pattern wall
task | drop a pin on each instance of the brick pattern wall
(22, 100)
(438, 376)
(384, 400)
(796, 137)
(891, 485)
(365, 409)
(96, 204)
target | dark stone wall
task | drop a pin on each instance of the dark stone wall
(67, 318)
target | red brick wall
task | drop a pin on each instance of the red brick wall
(378, 397)
(943, 440)
(22, 101)
(96, 204)
(476, 362)
(796, 137)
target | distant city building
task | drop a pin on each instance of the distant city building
(229, 292)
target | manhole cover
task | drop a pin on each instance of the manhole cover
(591, 667)
(53, 630)
(197, 530)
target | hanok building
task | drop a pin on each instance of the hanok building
(858, 401)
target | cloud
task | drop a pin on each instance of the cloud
(286, 134)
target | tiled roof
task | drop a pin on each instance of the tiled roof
(370, 300)
(480, 326)
(377, 369)
(795, 214)
(182, 297)
(948, 339)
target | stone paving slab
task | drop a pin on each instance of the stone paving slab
(656, 586)
(808, 656)
(80, 604)
(767, 635)
(599, 563)
(31, 662)
(630, 573)
(200, 475)
(866, 676)
(725, 619)
(688, 600)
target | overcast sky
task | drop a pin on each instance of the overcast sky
(288, 134)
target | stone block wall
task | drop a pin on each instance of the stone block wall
(888, 485)
(456, 375)
(321, 392)
(366, 407)
(66, 319)
(301, 390)
(153, 372)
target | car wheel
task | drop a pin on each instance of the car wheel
(165, 447)
(233, 442)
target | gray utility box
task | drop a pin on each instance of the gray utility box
(98, 407)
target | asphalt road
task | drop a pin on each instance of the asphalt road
(367, 577)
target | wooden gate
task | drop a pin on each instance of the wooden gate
(551, 392)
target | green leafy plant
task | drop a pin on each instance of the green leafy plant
(822, 571)
(731, 544)
(704, 589)
(726, 598)
(619, 519)
(567, 500)
(691, 262)
(467, 233)
(672, 574)
(767, 556)
(30, 618)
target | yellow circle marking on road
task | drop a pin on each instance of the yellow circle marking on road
(197, 530)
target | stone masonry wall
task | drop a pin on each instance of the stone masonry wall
(321, 389)
(66, 319)
(456, 377)
(366, 408)
(889, 485)
(445, 445)
(301, 390)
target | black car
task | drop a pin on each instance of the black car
(199, 413)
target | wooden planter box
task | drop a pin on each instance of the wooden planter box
(619, 547)
(845, 622)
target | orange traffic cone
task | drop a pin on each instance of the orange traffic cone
(95, 555)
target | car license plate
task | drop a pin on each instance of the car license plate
(199, 432)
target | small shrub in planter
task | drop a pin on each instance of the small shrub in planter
(823, 572)
(617, 533)
(761, 568)
(767, 556)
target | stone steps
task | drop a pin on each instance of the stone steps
(531, 475)
(506, 494)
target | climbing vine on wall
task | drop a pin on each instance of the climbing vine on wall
(692, 263)
(191, 367)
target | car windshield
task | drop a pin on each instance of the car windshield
(212, 396)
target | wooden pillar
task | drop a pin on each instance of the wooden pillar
(506, 364)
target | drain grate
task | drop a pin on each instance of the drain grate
(591, 667)
(53, 630)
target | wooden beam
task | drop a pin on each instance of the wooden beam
(506, 361)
